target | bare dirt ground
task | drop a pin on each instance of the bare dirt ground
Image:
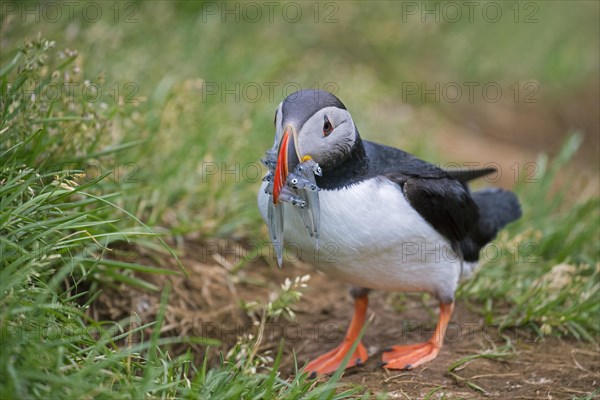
(207, 304)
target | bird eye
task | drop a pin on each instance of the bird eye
(327, 127)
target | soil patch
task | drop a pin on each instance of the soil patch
(208, 304)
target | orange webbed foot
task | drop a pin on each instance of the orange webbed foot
(410, 356)
(413, 355)
(331, 361)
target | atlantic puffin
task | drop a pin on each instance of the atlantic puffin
(385, 220)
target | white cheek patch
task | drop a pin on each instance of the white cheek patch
(332, 149)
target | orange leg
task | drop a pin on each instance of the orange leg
(330, 361)
(411, 356)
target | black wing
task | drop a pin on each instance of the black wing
(440, 197)
(443, 202)
(469, 174)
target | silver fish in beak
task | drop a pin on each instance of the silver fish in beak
(291, 181)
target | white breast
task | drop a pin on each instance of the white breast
(370, 236)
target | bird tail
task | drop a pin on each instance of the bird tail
(497, 208)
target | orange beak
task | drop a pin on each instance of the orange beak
(287, 159)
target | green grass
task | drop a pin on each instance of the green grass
(59, 228)
(543, 272)
(505, 351)
(80, 178)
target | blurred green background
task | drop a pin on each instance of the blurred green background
(198, 83)
(144, 121)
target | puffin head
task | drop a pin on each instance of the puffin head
(312, 124)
